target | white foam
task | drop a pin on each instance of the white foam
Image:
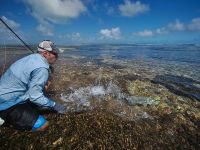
(82, 99)
(97, 90)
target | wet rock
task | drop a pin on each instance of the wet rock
(58, 142)
(179, 85)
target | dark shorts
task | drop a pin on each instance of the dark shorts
(21, 116)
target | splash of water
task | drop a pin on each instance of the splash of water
(81, 98)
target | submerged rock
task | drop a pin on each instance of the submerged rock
(180, 85)
(139, 100)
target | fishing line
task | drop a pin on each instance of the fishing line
(26, 45)
(5, 58)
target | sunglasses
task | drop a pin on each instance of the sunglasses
(55, 54)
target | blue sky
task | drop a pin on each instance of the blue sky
(101, 21)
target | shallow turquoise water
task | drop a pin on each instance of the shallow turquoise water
(176, 67)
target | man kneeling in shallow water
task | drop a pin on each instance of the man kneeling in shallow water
(21, 89)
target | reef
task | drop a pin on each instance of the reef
(114, 104)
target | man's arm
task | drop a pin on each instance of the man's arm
(37, 82)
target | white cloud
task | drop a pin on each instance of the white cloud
(145, 33)
(132, 9)
(56, 11)
(194, 25)
(162, 30)
(176, 26)
(44, 30)
(11, 23)
(73, 36)
(113, 33)
(171, 27)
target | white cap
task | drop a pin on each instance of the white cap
(47, 45)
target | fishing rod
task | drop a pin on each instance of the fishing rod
(51, 67)
(16, 35)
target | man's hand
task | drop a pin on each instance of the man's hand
(60, 108)
(47, 85)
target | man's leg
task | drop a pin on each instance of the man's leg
(24, 117)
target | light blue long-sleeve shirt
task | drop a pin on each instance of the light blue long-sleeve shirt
(25, 79)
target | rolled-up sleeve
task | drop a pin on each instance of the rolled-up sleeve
(37, 82)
